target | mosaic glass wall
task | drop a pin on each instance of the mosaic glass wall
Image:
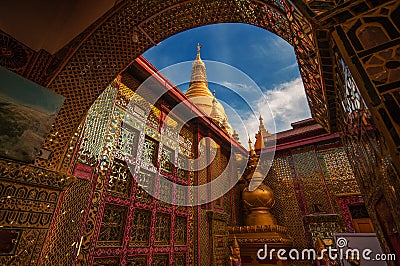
(96, 126)
(309, 184)
(124, 224)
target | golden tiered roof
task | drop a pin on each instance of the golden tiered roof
(200, 94)
(198, 80)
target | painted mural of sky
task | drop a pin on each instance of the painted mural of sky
(265, 58)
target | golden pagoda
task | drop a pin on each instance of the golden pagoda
(260, 226)
(200, 94)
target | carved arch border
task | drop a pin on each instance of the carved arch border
(101, 52)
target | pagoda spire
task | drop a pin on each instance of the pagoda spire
(198, 80)
(235, 136)
(262, 135)
(198, 51)
(214, 111)
(251, 150)
(198, 70)
(259, 144)
(261, 122)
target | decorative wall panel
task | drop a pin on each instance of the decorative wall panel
(161, 260)
(120, 181)
(179, 259)
(106, 262)
(150, 152)
(63, 239)
(312, 181)
(28, 202)
(163, 233)
(112, 226)
(180, 231)
(374, 169)
(136, 261)
(218, 237)
(282, 180)
(167, 160)
(140, 234)
(128, 141)
(339, 176)
(293, 178)
(204, 244)
(165, 192)
(145, 179)
(96, 127)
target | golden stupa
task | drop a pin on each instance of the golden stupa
(200, 94)
(259, 225)
(259, 201)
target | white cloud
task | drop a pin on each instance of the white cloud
(241, 88)
(288, 104)
(273, 46)
(291, 66)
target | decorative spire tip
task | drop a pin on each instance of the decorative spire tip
(198, 50)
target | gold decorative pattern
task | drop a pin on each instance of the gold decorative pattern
(96, 126)
(204, 238)
(309, 173)
(163, 225)
(106, 262)
(28, 249)
(120, 181)
(63, 239)
(140, 235)
(15, 171)
(180, 231)
(112, 226)
(137, 261)
(28, 200)
(218, 223)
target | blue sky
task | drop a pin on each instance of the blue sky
(265, 58)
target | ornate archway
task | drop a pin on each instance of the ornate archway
(132, 27)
